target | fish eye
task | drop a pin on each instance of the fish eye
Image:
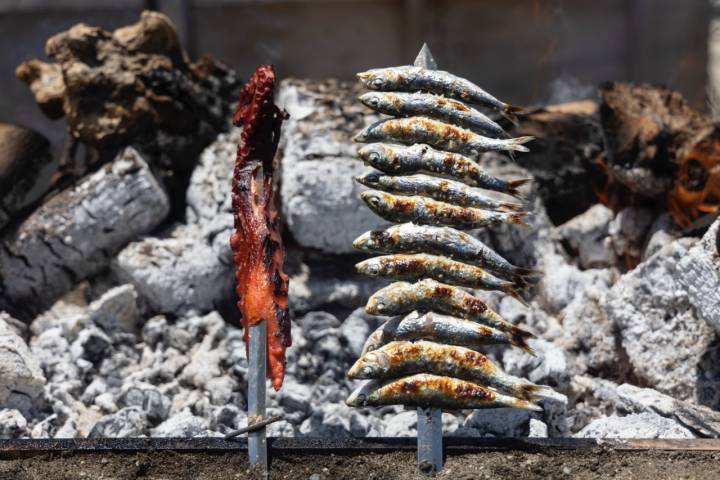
(376, 82)
(374, 202)
(373, 156)
(367, 371)
(374, 101)
(373, 269)
(361, 398)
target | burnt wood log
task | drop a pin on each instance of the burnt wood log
(567, 144)
(77, 232)
(26, 170)
(658, 147)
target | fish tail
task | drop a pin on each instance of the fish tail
(517, 144)
(520, 403)
(525, 277)
(518, 292)
(510, 207)
(513, 185)
(518, 218)
(510, 112)
(529, 391)
(520, 337)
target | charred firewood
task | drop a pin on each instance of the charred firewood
(659, 148)
(133, 86)
(568, 145)
(262, 287)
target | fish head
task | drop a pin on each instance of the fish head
(371, 241)
(370, 179)
(371, 133)
(376, 79)
(374, 154)
(370, 267)
(378, 304)
(373, 100)
(374, 364)
(362, 395)
(376, 201)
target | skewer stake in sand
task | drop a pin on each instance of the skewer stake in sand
(429, 420)
(257, 441)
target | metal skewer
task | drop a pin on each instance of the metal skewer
(257, 442)
(429, 420)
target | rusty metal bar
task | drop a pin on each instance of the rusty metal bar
(257, 364)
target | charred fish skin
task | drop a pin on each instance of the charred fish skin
(402, 358)
(437, 134)
(427, 390)
(439, 328)
(405, 160)
(411, 79)
(425, 211)
(412, 267)
(428, 295)
(444, 190)
(402, 104)
(412, 238)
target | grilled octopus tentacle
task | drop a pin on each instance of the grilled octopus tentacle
(257, 248)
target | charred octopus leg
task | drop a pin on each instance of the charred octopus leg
(257, 245)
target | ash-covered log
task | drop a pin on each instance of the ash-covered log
(77, 232)
(134, 86)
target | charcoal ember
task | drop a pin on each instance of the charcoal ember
(568, 142)
(126, 422)
(646, 129)
(181, 424)
(20, 373)
(75, 233)
(26, 169)
(548, 368)
(135, 86)
(12, 424)
(587, 236)
(153, 403)
(320, 199)
(116, 310)
(701, 420)
(635, 425)
(667, 346)
(92, 344)
(699, 272)
(181, 272)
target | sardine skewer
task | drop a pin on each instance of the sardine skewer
(412, 267)
(428, 295)
(441, 135)
(427, 390)
(444, 190)
(419, 158)
(412, 79)
(440, 328)
(401, 104)
(402, 358)
(412, 238)
(426, 211)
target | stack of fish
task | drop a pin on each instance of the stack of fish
(428, 180)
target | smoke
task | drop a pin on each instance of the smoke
(567, 88)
